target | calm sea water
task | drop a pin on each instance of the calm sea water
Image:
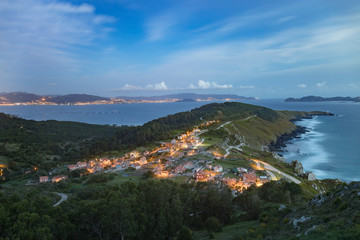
(331, 149)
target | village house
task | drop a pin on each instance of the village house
(189, 165)
(142, 161)
(81, 165)
(119, 167)
(264, 179)
(190, 153)
(218, 168)
(180, 169)
(43, 179)
(126, 164)
(162, 150)
(249, 177)
(136, 166)
(72, 167)
(184, 145)
(229, 181)
(134, 154)
(200, 176)
(98, 168)
(242, 170)
(58, 178)
(168, 163)
(157, 168)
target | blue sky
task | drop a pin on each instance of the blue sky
(127, 47)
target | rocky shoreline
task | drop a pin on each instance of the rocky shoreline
(284, 139)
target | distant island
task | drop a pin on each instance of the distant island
(321, 99)
(22, 98)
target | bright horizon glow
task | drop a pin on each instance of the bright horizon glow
(266, 49)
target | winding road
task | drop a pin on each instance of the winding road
(63, 196)
(270, 168)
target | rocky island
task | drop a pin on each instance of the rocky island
(322, 99)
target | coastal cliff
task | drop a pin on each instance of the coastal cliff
(283, 139)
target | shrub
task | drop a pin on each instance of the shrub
(264, 217)
(343, 206)
(213, 225)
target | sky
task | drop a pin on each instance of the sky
(265, 49)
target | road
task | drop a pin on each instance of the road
(272, 175)
(63, 196)
(271, 168)
(222, 125)
(245, 119)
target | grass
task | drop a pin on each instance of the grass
(229, 232)
(230, 175)
(231, 164)
(3, 160)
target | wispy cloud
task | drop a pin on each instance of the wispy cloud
(302, 85)
(130, 87)
(158, 27)
(286, 19)
(321, 84)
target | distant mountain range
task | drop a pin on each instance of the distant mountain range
(321, 99)
(33, 99)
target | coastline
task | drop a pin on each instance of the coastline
(282, 141)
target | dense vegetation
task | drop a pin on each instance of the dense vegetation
(26, 143)
(168, 210)
(150, 210)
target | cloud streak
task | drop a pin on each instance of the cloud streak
(157, 86)
(209, 85)
(43, 40)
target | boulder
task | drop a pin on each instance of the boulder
(298, 168)
(311, 176)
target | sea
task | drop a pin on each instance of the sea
(330, 149)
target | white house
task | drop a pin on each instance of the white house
(218, 168)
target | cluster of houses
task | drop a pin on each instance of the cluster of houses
(247, 178)
(170, 153)
(54, 179)
(98, 165)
